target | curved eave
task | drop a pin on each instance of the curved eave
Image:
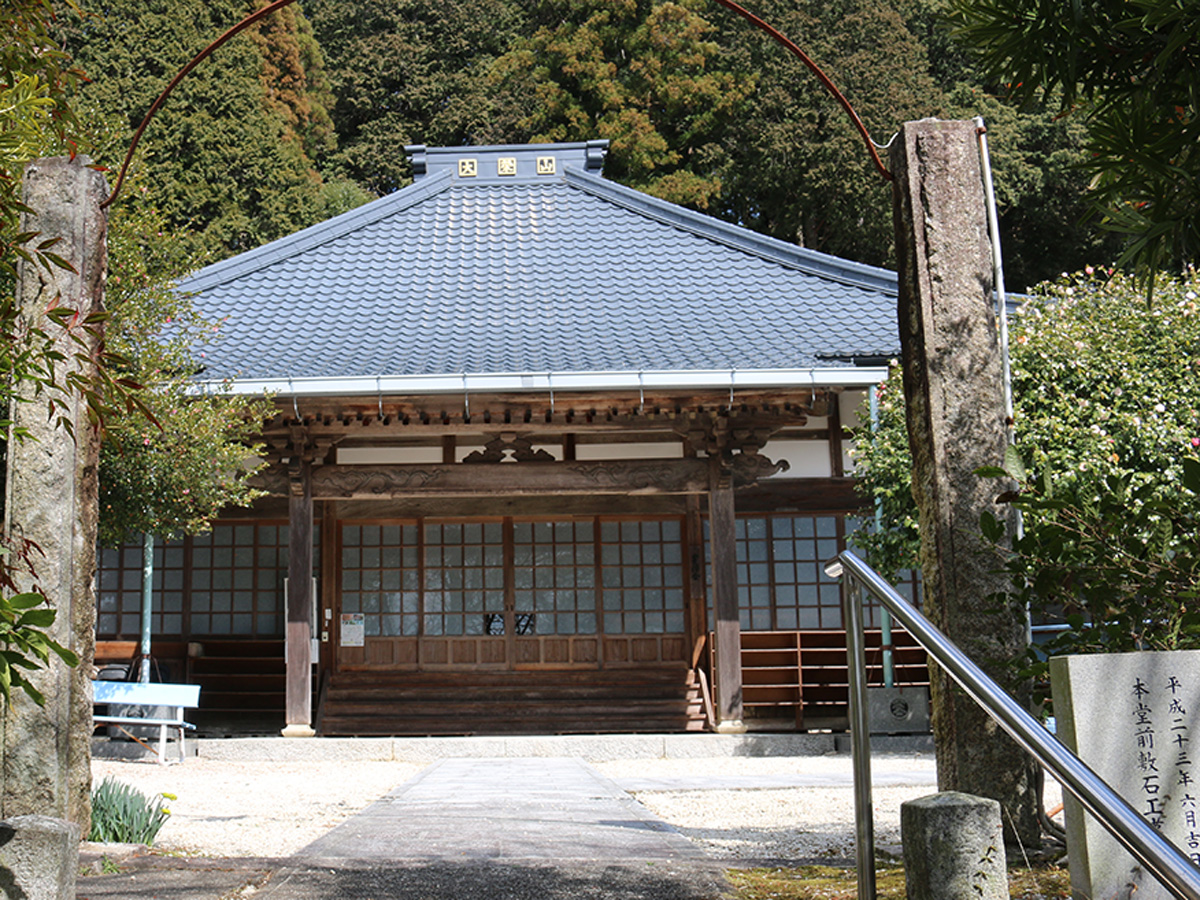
(523, 382)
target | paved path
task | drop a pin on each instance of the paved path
(464, 829)
(502, 829)
(515, 810)
(493, 829)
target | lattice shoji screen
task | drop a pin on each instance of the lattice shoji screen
(641, 576)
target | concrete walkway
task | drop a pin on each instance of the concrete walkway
(514, 810)
(494, 819)
(493, 829)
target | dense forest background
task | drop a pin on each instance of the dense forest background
(307, 115)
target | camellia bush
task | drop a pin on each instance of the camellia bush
(1106, 391)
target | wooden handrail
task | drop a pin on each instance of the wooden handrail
(699, 655)
(698, 650)
(706, 695)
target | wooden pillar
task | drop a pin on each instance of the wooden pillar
(728, 632)
(696, 611)
(299, 604)
(837, 468)
(956, 424)
(330, 605)
(45, 765)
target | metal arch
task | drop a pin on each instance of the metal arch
(821, 76)
(280, 4)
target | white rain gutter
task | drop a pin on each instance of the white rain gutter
(511, 383)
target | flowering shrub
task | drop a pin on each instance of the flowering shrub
(1106, 384)
(1106, 391)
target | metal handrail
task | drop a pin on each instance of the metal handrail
(1160, 857)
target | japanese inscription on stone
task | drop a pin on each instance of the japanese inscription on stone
(1130, 716)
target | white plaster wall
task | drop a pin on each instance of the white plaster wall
(648, 450)
(850, 404)
(854, 412)
(806, 459)
(388, 456)
(814, 423)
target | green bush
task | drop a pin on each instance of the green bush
(123, 815)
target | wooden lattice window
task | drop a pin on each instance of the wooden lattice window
(381, 577)
(781, 583)
(119, 598)
(237, 582)
(641, 576)
(463, 578)
(554, 576)
(780, 572)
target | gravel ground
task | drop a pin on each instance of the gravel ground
(272, 809)
(798, 823)
(255, 808)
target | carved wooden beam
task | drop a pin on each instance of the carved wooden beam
(509, 444)
(748, 468)
(574, 413)
(669, 476)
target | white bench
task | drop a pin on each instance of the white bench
(177, 697)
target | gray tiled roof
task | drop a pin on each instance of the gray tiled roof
(560, 273)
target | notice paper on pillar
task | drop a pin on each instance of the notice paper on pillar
(352, 631)
(1132, 718)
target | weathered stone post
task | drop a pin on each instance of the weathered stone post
(956, 424)
(46, 765)
(38, 858)
(953, 848)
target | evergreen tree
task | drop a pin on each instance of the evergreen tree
(802, 173)
(1130, 71)
(221, 155)
(648, 76)
(171, 463)
(294, 77)
(1042, 190)
(412, 71)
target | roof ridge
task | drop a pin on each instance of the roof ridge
(314, 235)
(812, 262)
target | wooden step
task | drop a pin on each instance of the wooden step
(237, 722)
(512, 702)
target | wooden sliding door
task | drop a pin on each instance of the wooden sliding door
(511, 593)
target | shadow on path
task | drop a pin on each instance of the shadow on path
(492, 881)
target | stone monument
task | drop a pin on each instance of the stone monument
(1130, 717)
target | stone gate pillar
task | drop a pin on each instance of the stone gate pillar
(956, 424)
(51, 500)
